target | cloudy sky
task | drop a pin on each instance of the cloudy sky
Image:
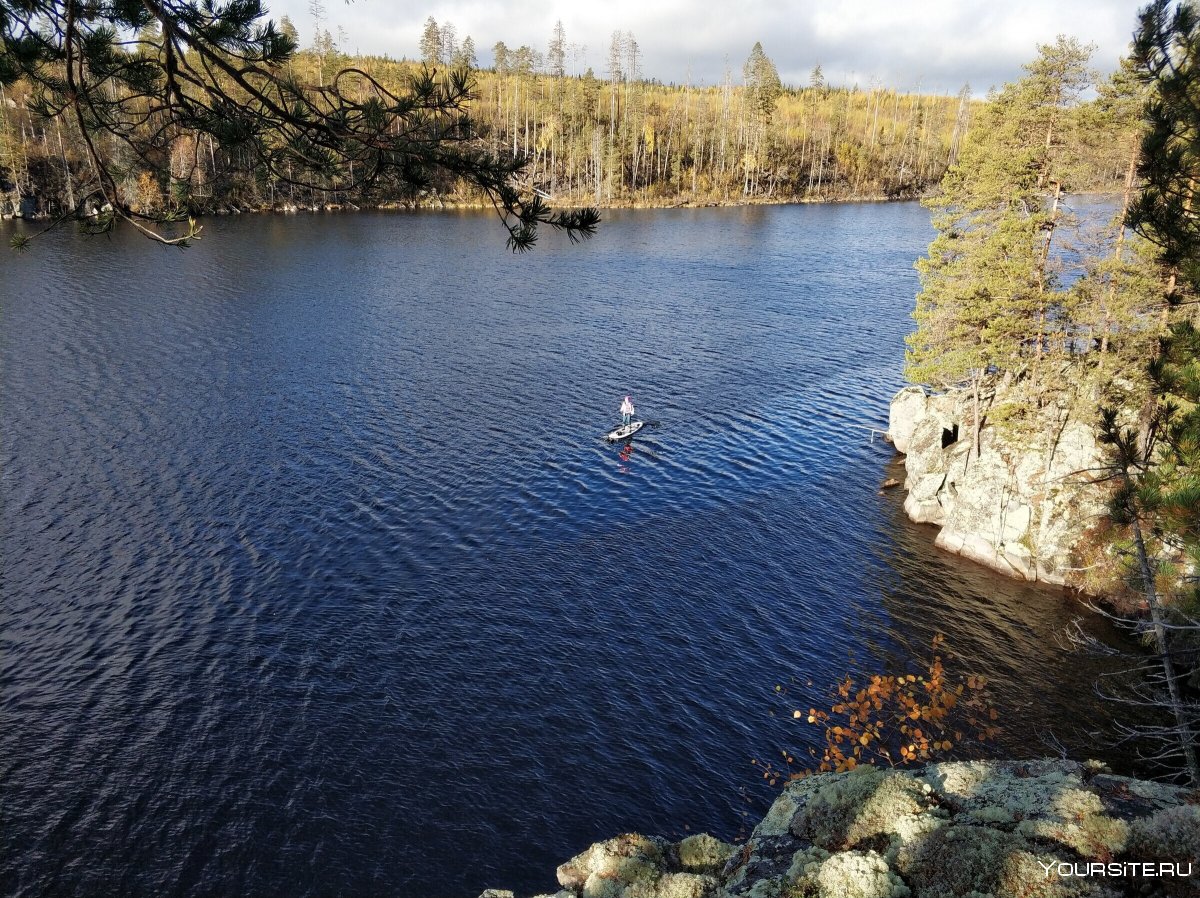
(934, 45)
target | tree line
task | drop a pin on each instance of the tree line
(609, 139)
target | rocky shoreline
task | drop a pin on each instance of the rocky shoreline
(1046, 828)
(1023, 505)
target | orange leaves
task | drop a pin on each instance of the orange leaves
(872, 719)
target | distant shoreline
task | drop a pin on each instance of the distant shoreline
(438, 204)
(458, 204)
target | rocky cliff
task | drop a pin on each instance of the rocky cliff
(1023, 505)
(1051, 829)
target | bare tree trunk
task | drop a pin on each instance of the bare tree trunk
(1186, 741)
(1119, 248)
(1041, 276)
(66, 165)
(977, 422)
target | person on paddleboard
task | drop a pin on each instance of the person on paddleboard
(627, 411)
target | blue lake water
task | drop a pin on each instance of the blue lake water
(318, 580)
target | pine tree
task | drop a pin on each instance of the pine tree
(1165, 50)
(1111, 304)
(288, 30)
(431, 43)
(317, 10)
(987, 287)
(464, 56)
(1159, 488)
(501, 58)
(762, 82)
(448, 37)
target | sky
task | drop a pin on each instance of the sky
(930, 45)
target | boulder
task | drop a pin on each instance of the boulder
(636, 866)
(908, 407)
(626, 859)
(1022, 505)
(703, 854)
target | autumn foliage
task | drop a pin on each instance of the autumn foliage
(895, 720)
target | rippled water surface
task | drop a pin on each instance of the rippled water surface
(317, 579)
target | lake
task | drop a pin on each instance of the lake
(319, 580)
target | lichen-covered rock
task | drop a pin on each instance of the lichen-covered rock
(704, 854)
(956, 861)
(1126, 798)
(859, 808)
(675, 885)
(849, 874)
(981, 829)
(795, 795)
(1045, 801)
(636, 866)
(626, 859)
(1171, 835)
(597, 885)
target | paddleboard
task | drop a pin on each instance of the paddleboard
(626, 430)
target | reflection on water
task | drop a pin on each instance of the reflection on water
(299, 597)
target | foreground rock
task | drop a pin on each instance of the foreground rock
(951, 830)
(1022, 506)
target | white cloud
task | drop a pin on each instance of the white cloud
(935, 44)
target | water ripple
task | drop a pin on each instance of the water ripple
(318, 578)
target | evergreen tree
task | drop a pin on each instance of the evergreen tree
(317, 10)
(1123, 281)
(448, 36)
(987, 288)
(1158, 466)
(1158, 493)
(464, 56)
(1165, 50)
(431, 43)
(762, 82)
(500, 58)
(1166, 55)
(288, 30)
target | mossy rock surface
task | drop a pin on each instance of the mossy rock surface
(625, 859)
(995, 829)
(1170, 836)
(960, 861)
(847, 874)
(862, 808)
(704, 854)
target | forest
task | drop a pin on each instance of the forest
(603, 140)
